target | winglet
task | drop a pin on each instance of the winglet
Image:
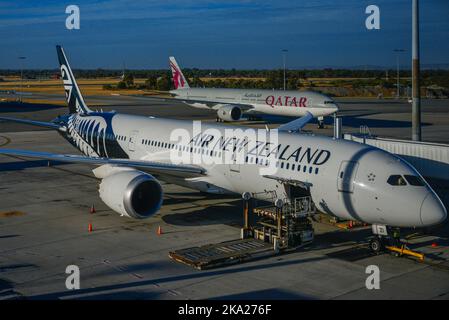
(73, 95)
(179, 81)
(298, 124)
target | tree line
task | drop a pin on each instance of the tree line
(234, 78)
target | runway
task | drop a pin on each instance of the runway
(44, 218)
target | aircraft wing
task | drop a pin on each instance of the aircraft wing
(49, 125)
(150, 166)
(243, 107)
(296, 125)
(210, 104)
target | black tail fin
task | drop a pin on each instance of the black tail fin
(73, 95)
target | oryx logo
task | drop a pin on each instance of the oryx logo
(178, 79)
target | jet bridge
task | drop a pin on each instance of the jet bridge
(278, 226)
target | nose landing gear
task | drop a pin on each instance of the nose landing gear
(388, 239)
(320, 122)
(376, 245)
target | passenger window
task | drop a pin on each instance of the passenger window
(396, 180)
(414, 180)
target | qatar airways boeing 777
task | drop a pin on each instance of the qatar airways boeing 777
(132, 153)
(231, 103)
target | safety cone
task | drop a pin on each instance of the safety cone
(434, 245)
(159, 231)
(92, 209)
(90, 227)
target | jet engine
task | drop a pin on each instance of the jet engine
(229, 113)
(132, 193)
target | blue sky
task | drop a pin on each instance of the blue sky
(219, 34)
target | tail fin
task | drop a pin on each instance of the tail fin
(73, 95)
(179, 81)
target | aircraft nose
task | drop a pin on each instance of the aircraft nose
(432, 210)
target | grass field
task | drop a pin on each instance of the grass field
(54, 86)
(95, 86)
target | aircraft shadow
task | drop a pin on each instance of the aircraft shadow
(103, 290)
(6, 107)
(352, 120)
(16, 266)
(230, 214)
(267, 294)
(21, 165)
(356, 122)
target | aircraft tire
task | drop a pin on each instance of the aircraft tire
(376, 245)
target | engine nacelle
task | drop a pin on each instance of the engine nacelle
(229, 113)
(132, 193)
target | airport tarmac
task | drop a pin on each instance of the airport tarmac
(386, 118)
(44, 218)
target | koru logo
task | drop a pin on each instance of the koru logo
(73, 20)
(373, 20)
(373, 280)
(72, 282)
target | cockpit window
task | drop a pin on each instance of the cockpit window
(396, 180)
(414, 180)
(328, 102)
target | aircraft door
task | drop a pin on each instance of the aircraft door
(133, 140)
(346, 176)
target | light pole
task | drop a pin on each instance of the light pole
(21, 77)
(416, 100)
(284, 57)
(397, 51)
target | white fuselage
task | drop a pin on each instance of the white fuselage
(274, 102)
(345, 179)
